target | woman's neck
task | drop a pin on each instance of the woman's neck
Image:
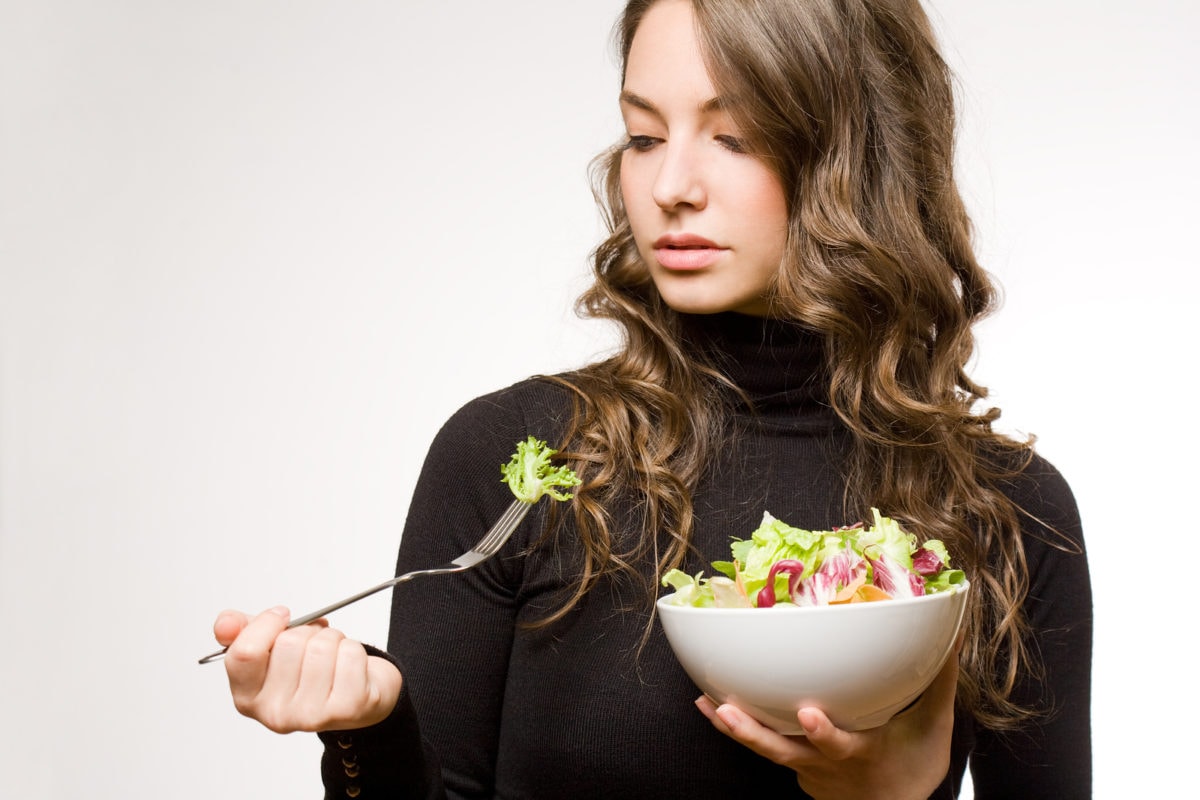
(778, 364)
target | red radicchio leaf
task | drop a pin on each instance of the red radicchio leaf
(894, 579)
(793, 568)
(838, 571)
(927, 563)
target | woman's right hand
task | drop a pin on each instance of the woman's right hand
(309, 678)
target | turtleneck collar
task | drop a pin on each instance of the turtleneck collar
(779, 364)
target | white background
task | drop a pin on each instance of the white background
(252, 254)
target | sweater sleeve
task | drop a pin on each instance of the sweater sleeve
(1053, 757)
(450, 635)
(389, 759)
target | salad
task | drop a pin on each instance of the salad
(780, 565)
(530, 473)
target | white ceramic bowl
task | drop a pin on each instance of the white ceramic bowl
(860, 663)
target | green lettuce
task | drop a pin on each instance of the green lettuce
(820, 566)
(530, 474)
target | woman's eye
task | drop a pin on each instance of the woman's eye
(733, 144)
(640, 143)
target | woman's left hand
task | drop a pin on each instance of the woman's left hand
(907, 757)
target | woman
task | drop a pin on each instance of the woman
(790, 263)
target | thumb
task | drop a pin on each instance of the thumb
(938, 699)
(829, 740)
(228, 625)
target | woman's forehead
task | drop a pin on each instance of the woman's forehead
(665, 62)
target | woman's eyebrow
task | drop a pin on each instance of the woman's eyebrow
(634, 100)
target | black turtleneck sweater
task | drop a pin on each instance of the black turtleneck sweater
(493, 707)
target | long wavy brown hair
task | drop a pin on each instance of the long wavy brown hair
(852, 105)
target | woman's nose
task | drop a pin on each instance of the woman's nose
(679, 182)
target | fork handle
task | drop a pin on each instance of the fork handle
(496, 536)
(329, 609)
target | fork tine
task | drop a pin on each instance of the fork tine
(503, 528)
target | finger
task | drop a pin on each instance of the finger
(287, 659)
(365, 688)
(318, 668)
(350, 695)
(248, 656)
(708, 708)
(228, 625)
(741, 727)
(828, 739)
(277, 702)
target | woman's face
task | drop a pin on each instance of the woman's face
(709, 220)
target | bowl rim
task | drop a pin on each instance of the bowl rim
(956, 590)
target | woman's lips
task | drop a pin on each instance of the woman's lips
(685, 251)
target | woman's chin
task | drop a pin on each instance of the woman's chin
(754, 308)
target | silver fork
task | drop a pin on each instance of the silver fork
(484, 549)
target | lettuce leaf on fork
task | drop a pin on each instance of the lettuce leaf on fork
(530, 474)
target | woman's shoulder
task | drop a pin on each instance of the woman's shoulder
(481, 435)
(1051, 524)
(1041, 490)
(541, 406)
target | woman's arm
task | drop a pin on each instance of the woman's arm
(1052, 757)
(385, 736)
(452, 634)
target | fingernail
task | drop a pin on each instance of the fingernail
(281, 611)
(729, 715)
